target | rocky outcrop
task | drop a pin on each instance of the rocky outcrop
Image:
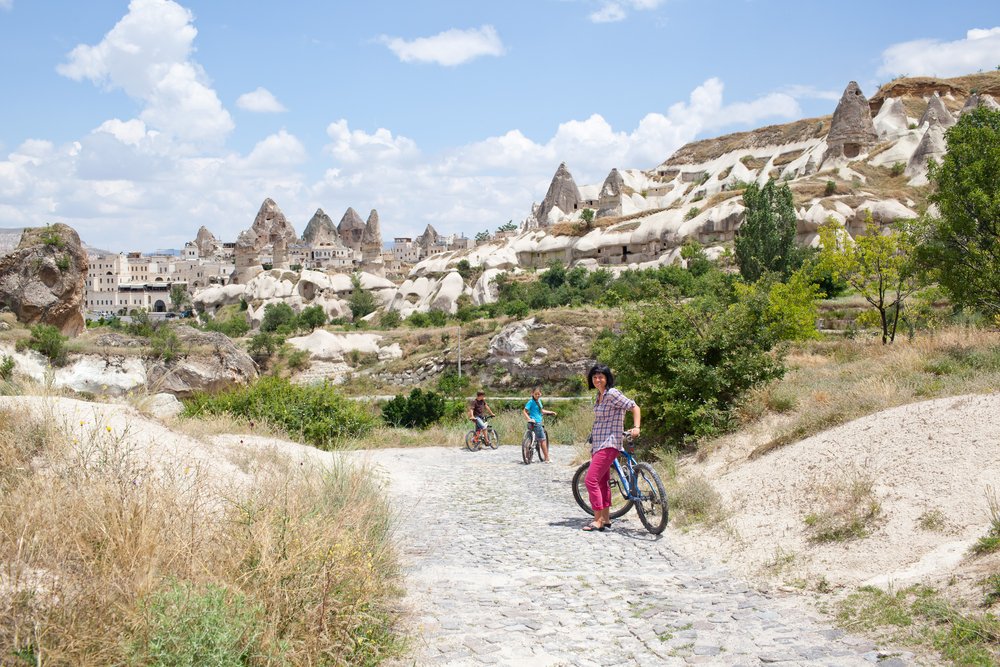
(43, 281)
(936, 106)
(351, 229)
(851, 130)
(428, 238)
(610, 202)
(371, 240)
(932, 145)
(206, 242)
(562, 194)
(212, 363)
(271, 224)
(976, 100)
(320, 230)
(891, 121)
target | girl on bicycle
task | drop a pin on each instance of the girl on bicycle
(610, 406)
(533, 412)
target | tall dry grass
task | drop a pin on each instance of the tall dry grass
(93, 540)
(831, 382)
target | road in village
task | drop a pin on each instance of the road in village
(498, 572)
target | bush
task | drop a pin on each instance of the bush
(263, 345)
(210, 626)
(315, 413)
(234, 326)
(298, 359)
(831, 188)
(48, 341)
(140, 325)
(278, 315)
(390, 319)
(419, 410)
(312, 317)
(418, 320)
(7, 365)
(897, 168)
(165, 345)
(437, 318)
(692, 213)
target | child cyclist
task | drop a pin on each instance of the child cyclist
(477, 410)
(534, 412)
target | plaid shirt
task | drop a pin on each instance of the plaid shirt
(609, 420)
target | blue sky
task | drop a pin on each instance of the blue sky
(138, 122)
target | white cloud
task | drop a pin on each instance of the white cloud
(449, 48)
(7, 4)
(611, 12)
(355, 146)
(930, 57)
(260, 101)
(147, 54)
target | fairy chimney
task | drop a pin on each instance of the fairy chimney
(562, 194)
(320, 230)
(610, 203)
(851, 130)
(351, 229)
(936, 105)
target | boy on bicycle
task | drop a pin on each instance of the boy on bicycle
(477, 410)
(534, 412)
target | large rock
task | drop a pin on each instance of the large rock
(562, 194)
(206, 242)
(936, 106)
(851, 130)
(891, 121)
(212, 298)
(211, 363)
(271, 225)
(932, 146)
(320, 230)
(352, 229)
(44, 280)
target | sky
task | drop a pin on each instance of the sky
(138, 122)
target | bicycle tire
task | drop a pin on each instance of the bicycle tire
(492, 439)
(652, 503)
(620, 505)
(470, 441)
(527, 447)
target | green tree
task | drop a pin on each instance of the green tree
(179, 296)
(879, 266)
(508, 226)
(483, 236)
(555, 276)
(263, 345)
(278, 315)
(961, 246)
(419, 410)
(587, 216)
(312, 317)
(362, 301)
(766, 239)
(464, 269)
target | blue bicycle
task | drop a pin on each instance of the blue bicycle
(637, 485)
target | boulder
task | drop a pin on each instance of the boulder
(105, 375)
(210, 299)
(162, 406)
(324, 345)
(212, 363)
(511, 341)
(43, 281)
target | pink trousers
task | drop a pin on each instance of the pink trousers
(599, 476)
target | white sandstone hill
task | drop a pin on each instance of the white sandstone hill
(868, 159)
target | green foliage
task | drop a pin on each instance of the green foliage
(418, 320)
(692, 213)
(482, 237)
(48, 341)
(234, 326)
(508, 226)
(517, 308)
(390, 319)
(451, 385)
(880, 266)
(419, 410)
(62, 262)
(831, 188)
(7, 365)
(179, 296)
(263, 345)
(464, 269)
(437, 318)
(312, 317)
(362, 301)
(897, 169)
(316, 413)
(52, 238)
(961, 248)
(140, 325)
(791, 310)
(298, 359)
(687, 363)
(199, 626)
(587, 216)
(164, 344)
(279, 316)
(694, 256)
(766, 239)
(555, 276)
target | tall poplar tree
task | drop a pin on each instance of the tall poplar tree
(765, 241)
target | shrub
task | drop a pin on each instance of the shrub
(390, 319)
(362, 301)
(298, 359)
(210, 626)
(991, 541)
(62, 262)
(437, 318)
(897, 168)
(831, 188)
(234, 326)
(419, 410)
(7, 365)
(316, 413)
(450, 384)
(312, 317)
(418, 320)
(263, 345)
(164, 344)
(692, 213)
(278, 315)
(48, 341)
(140, 325)
(52, 238)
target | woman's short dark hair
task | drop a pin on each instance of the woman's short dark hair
(603, 370)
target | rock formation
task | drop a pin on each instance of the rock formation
(44, 280)
(976, 100)
(932, 145)
(321, 230)
(371, 240)
(562, 194)
(610, 203)
(936, 105)
(206, 242)
(851, 130)
(891, 121)
(226, 365)
(427, 239)
(351, 229)
(270, 224)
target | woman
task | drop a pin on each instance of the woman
(610, 407)
(533, 412)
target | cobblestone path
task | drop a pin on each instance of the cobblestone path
(499, 572)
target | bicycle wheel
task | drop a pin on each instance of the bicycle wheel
(471, 443)
(493, 440)
(652, 499)
(619, 503)
(527, 447)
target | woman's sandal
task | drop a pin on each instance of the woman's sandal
(592, 527)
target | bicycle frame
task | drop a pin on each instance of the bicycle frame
(626, 475)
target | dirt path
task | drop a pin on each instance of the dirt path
(499, 572)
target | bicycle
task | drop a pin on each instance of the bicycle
(530, 445)
(638, 485)
(475, 438)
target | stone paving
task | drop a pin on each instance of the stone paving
(499, 572)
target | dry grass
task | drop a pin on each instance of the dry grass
(836, 381)
(91, 536)
(699, 152)
(845, 507)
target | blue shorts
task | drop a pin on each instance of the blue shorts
(539, 432)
